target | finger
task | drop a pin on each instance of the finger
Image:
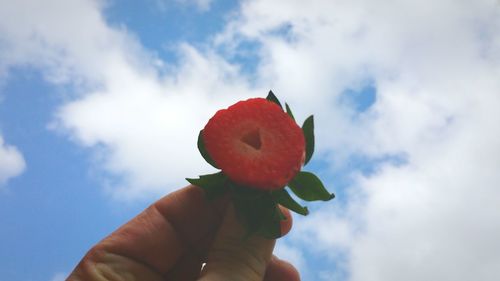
(280, 270)
(160, 235)
(187, 268)
(286, 225)
(107, 266)
(189, 265)
(234, 258)
(192, 261)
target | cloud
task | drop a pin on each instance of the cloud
(434, 66)
(433, 216)
(11, 162)
(287, 251)
(150, 125)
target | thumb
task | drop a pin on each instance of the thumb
(234, 258)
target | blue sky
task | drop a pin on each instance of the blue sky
(101, 102)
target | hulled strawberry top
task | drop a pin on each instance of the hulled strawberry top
(255, 143)
(260, 151)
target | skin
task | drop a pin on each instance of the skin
(173, 237)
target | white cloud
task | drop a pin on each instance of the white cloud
(435, 66)
(285, 250)
(11, 162)
(151, 125)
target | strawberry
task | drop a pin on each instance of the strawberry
(256, 144)
(260, 149)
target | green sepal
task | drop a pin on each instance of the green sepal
(273, 98)
(308, 129)
(247, 193)
(214, 185)
(271, 226)
(308, 186)
(257, 211)
(204, 152)
(283, 198)
(281, 215)
(289, 111)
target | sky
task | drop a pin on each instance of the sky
(101, 102)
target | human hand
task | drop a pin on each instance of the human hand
(172, 238)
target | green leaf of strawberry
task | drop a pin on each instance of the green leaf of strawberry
(271, 227)
(308, 129)
(289, 111)
(283, 198)
(273, 98)
(280, 214)
(203, 151)
(214, 185)
(309, 187)
(257, 211)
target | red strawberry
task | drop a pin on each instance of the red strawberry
(255, 143)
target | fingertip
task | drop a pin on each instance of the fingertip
(286, 225)
(281, 270)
